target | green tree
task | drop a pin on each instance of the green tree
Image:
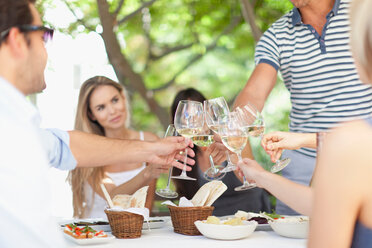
(157, 47)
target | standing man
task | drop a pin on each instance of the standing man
(26, 151)
(309, 46)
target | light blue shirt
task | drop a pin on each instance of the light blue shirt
(56, 144)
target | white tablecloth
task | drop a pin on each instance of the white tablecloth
(166, 238)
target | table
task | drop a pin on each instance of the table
(166, 238)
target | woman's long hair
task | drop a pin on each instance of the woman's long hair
(84, 122)
(361, 36)
(185, 187)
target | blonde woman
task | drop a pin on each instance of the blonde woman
(103, 109)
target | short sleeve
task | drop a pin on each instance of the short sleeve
(56, 144)
(267, 50)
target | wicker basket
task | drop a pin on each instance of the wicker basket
(183, 218)
(125, 225)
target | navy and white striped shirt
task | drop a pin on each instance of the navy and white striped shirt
(318, 71)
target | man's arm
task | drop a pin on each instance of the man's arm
(92, 150)
(258, 87)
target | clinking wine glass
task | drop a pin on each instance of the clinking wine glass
(188, 121)
(203, 141)
(235, 138)
(167, 192)
(216, 114)
(253, 123)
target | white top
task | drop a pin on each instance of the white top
(25, 203)
(97, 202)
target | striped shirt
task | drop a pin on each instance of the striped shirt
(318, 71)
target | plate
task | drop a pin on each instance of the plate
(226, 232)
(97, 224)
(155, 222)
(263, 227)
(291, 226)
(91, 241)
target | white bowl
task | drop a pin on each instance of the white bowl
(291, 226)
(226, 232)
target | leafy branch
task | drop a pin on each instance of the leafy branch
(195, 58)
(79, 20)
(129, 16)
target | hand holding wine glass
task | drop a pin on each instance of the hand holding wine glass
(235, 138)
(275, 142)
(189, 122)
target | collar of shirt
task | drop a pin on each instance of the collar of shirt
(296, 16)
(23, 109)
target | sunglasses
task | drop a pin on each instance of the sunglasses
(47, 36)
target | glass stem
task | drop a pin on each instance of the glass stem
(184, 165)
(169, 177)
(239, 156)
(228, 158)
(245, 182)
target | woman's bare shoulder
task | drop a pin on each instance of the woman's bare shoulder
(150, 136)
(350, 145)
(351, 135)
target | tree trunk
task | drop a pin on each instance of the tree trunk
(121, 65)
(249, 17)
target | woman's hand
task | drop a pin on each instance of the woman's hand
(275, 142)
(217, 150)
(251, 170)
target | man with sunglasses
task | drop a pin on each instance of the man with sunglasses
(27, 151)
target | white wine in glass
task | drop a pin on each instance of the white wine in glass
(253, 123)
(235, 143)
(189, 132)
(202, 140)
(235, 139)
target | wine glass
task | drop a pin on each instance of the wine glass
(167, 192)
(234, 137)
(188, 121)
(204, 140)
(216, 114)
(254, 125)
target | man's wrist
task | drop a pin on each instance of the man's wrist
(146, 151)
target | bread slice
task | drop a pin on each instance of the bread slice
(201, 196)
(138, 199)
(216, 190)
(122, 200)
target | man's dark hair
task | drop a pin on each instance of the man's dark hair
(14, 13)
